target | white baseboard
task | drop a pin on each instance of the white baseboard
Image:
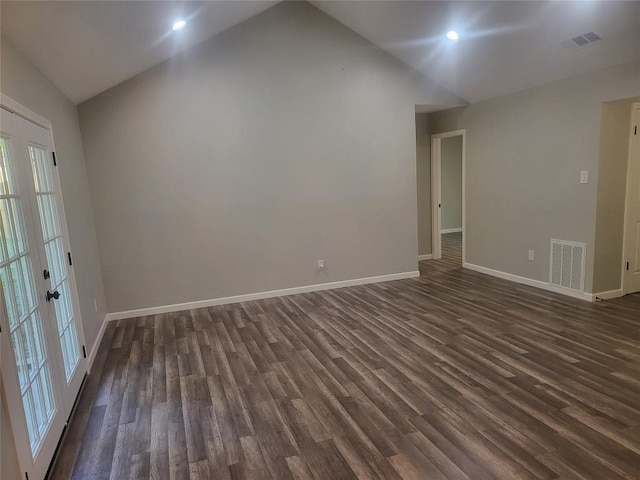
(451, 230)
(529, 281)
(428, 256)
(96, 343)
(142, 312)
(609, 294)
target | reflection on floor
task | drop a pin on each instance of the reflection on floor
(451, 255)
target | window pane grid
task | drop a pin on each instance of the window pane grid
(54, 251)
(19, 288)
(48, 215)
(9, 297)
(25, 323)
(7, 184)
(40, 164)
(29, 285)
(5, 247)
(38, 409)
(38, 405)
(27, 402)
(21, 358)
(38, 402)
(55, 258)
(19, 323)
(48, 398)
(15, 277)
(69, 342)
(34, 354)
(28, 362)
(11, 214)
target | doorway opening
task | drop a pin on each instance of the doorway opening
(617, 240)
(631, 240)
(448, 196)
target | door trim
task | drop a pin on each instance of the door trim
(10, 375)
(436, 191)
(635, 112)
(14, 107)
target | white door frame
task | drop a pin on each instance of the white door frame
(436, 190)
(9, 371)
(633, 123)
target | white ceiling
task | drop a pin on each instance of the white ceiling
(87, 47)
(504, 46)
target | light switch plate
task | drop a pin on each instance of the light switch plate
(584, 176)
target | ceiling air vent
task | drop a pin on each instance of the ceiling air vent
(582, 40)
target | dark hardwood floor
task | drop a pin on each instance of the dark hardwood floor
(455, 375)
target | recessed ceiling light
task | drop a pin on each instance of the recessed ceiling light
(178, 25)
(453, 35)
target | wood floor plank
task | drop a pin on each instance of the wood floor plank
(452, 376)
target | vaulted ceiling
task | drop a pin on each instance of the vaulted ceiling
(504, 46)
(87, 47)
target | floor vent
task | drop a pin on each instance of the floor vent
(567, 265)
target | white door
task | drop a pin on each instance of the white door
(43, 364)
(632, 224)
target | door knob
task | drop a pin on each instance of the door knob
(55, 295)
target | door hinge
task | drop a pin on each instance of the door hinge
(627, 266)
(635, 130)
(69, 257)
(55, 163)
(84, 351)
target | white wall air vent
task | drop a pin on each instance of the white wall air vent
(567, 265)
(582, 40)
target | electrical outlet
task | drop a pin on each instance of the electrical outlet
(320, 265)
(531, 255)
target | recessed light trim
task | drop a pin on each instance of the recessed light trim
(453, 35)
(178, 25)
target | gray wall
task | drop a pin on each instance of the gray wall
(234, 167)
(524, 155)
(423, 176)
(612, 184)
(21, 81)
(451, 181)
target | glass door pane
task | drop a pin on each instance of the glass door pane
(54, 249)
(23, 306)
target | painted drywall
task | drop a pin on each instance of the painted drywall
(9, 466)
(525, 152)
(21, 81)
(451, 182)
(423, 176)
(233, 167)
(612, 183)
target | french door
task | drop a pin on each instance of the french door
(43, 364)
